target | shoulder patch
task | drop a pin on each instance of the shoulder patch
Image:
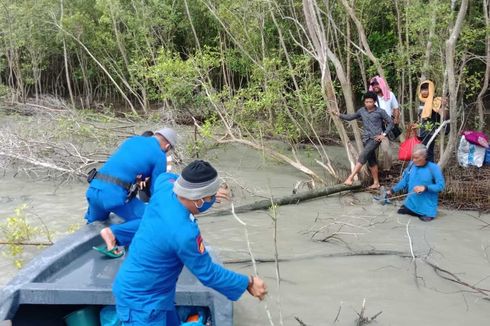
(200, 244)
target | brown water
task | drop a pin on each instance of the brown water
(314, 287)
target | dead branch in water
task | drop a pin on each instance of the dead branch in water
(338, 313)
(447, 275)
(34, 154)
(59, 143)
(287, 200)
(299, 321)
(375, 252)
(45, 243)
(362, 320)
(252, 258)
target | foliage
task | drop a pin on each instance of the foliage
(229, 52)
(16, 230)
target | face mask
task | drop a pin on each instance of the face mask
(205, 204)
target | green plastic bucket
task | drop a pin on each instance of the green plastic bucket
(88, 316)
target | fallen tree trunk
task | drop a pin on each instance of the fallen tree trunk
(287, 200)
(374, 252)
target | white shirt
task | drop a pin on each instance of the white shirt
(388, 105)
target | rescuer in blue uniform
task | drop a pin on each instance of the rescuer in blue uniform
(109, 186)
(423, 180)
(169, 238)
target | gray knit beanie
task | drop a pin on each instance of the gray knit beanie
(198, 180)
(169, 134)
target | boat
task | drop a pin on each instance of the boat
(70, 275)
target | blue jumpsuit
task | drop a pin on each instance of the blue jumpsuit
(430, 176)
(136, 155)
(168, 238)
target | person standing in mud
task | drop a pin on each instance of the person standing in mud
(386, 101)
(431, 113)
(113, 186)
(373, 119)
(423, 180)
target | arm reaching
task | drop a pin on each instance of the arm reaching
(350, 117)
(403, 183)
(194, 256)
(257, 287)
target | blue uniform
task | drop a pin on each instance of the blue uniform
(168, 238)
(137, 155)
(430, 176)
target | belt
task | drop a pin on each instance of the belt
(113, 180)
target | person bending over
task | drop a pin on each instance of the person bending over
(111, 186)
(169, 238)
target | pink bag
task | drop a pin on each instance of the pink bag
(406, 148)
(476, 138)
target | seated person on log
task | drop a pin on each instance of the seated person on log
(431, 114)
(167, 239)
(423, 181)
(112, 187)
(373, 119)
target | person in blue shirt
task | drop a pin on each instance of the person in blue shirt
(138, 157)
(423, 180)
(144, 287)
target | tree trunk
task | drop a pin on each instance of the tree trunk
(362, 35)
(428, 48)
(453, 100)
(409, 65)
(318, 40)
(107, 74)
(288, 200)
(484, 89)
(65, 55)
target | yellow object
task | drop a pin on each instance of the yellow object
(430, 103)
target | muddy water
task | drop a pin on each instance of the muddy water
(316, 286)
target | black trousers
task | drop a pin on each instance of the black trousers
(368, 154)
